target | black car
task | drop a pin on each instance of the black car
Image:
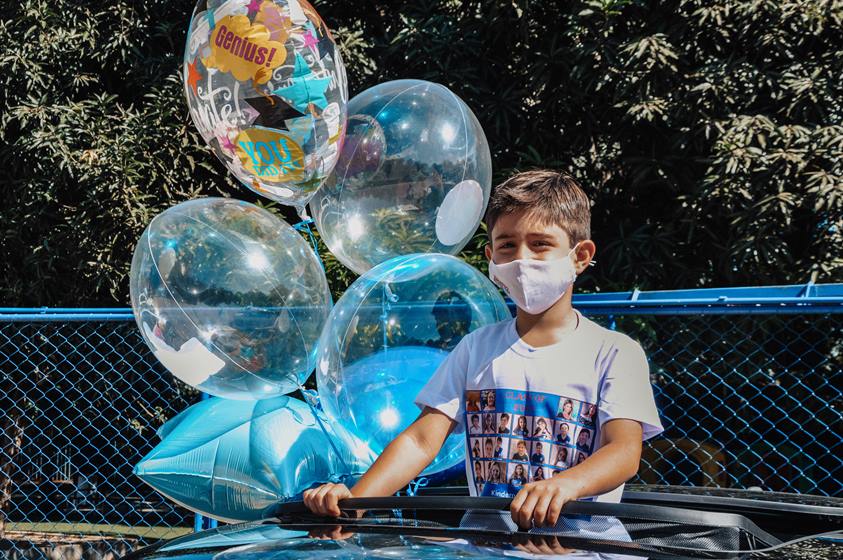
(651, 522)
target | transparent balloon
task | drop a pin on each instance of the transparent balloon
(230, 298)
(387, 335)
(267, 90)
(414, 176)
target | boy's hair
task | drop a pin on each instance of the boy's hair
(504, 415)
(552, 197)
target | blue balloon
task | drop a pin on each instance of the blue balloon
(231, 459)
(413, 176)
(387, 335)
(393, 375)
(230, 298)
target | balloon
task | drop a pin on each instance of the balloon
(231, 460)
(414, 176)
(267, 90)
(386, 336)
(229, 298)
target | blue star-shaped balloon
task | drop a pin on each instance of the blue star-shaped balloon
(305, 88)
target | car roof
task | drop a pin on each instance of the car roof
(713, 526)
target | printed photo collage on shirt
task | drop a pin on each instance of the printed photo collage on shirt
(506, 447)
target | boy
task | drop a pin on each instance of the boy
(547, 356)
(537, 458)
(499, 449)
(562, 436)
(475, 425)
(503, 427)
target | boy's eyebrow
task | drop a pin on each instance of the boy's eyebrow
(540, 235)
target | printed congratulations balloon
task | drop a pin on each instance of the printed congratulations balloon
(267, 90)
(414, 176)
(229, 298)
(233, 459)
(387, 335)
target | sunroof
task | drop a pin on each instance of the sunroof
(645, 530)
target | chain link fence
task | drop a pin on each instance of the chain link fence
(749, 396)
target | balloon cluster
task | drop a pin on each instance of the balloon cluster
(234, 301)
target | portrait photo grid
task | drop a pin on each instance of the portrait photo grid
(516, 437)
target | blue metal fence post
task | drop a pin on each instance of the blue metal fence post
(198, 518)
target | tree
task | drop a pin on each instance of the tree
(708, 134)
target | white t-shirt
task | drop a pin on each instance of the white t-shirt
(554, 399)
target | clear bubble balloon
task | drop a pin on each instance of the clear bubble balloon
(414, 176)
(229, 298)
(267, 90)
(387, 335)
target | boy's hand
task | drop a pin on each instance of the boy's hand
(324, 499)
(540, 503)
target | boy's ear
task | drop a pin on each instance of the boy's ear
(489, 253)
(584, 254)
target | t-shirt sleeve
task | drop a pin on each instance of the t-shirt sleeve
(446, 388)
(626, 391)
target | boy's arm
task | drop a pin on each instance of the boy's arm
(615, 462)
(402, 460)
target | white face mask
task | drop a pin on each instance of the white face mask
(532, 284)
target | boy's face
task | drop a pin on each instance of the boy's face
(519, 235)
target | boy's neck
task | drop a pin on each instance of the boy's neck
(549, 327)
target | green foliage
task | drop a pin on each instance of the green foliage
(709, 134)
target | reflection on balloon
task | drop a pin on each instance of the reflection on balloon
(228, 536)
(388, 334)
(414, 175)
(267, 90)
(229, 298)
(233, 459)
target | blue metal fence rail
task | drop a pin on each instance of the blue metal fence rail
(749, 382)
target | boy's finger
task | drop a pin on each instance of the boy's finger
(331, 502)
(525, 513)
(307, 498)
(555, 509)
(517, 501)
(319, 499)
(540, 512)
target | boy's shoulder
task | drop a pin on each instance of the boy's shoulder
(489, 335)
(616, 339)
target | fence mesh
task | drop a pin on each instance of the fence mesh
(81, 402)
(746, 400)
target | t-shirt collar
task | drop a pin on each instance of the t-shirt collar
(519, 346)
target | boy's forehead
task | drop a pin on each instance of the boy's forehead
(525, 223)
